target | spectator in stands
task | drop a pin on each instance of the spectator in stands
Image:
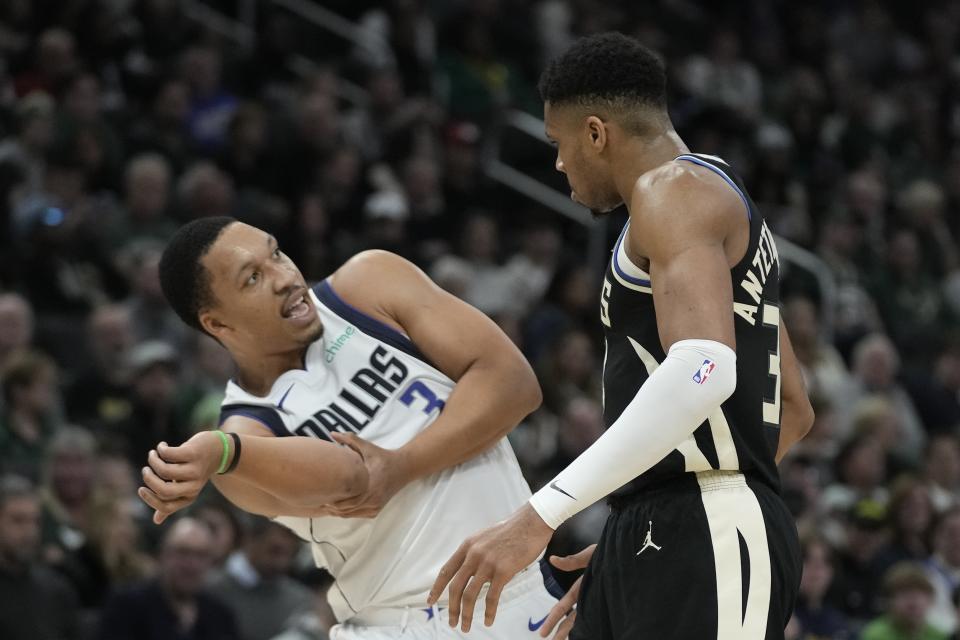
(163, 128)
(911, 517)
(153, 367)
(35, 603)
(824, 371)
(211, 104)
(82, 126)
(150, 316)
(175, 604)
(532, 268)
(246, 154)
(910, 300)
(110, 557)
(943, 570)
(936, 391)
(941, 468)
(68, 492)
(856, 587)
(875, 367)
(910, 597)
(29, 417)
(255, 582)
(479, 260)
(224, 522)
(386, 214)
(429, 223)
(99, 394)
(313, 624)
(146, 203)
(16, 325)
(205, 190)
(56, 58)
(816, 617)
(34, 134)
(570, 368)
(570, 302)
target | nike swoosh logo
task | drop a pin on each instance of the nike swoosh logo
(553, 485)
(533, 626)
(283, 399)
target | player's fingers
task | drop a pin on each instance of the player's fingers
(351, 440)
(167, 491)
(469, 600)
(455, 591)
(162, 508)
(493, 601)
(175, 454)
(562, 608)
(167, 471)
(563, 632)
(446, 574)
(575, 561)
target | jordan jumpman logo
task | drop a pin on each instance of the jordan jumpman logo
(648, 541)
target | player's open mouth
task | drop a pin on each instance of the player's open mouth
(298, 307)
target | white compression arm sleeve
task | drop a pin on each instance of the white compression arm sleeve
(690, 384)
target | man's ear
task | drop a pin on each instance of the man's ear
(597, 133)
(212, 324)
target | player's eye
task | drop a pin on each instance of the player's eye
(254, 277)
(277, 253)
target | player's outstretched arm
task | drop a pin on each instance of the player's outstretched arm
(273, 476)
(797, 415)
(683, 223)
(495, 390)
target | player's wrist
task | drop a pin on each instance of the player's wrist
(535, 521)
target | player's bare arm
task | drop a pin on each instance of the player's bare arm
(294, 476)
(496, 388)
(797, 415)
(689, 229)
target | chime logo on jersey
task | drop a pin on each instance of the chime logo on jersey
(704, 372)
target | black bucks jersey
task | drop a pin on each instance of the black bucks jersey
(743, 433)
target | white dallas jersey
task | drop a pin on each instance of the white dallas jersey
(364, 377)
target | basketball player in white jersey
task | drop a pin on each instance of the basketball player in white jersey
(420, 386)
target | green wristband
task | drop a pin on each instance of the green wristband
(225, 441)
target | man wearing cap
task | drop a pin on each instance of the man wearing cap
(153, 368)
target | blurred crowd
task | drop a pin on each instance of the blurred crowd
(120, 120)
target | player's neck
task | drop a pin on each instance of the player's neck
(256, 373)
(641, 155)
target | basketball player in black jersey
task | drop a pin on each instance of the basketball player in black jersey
(702, 392)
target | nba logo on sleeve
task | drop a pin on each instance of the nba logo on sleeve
(704, 372)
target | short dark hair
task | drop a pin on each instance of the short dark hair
(606, 67)
(13, 487)
(183, 278)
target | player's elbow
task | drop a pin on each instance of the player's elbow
(358, 479)
(354, 478)
(533, 394)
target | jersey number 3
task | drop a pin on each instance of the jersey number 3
(771, 408)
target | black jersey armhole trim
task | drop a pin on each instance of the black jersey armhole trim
(264, 415)
(369, 325)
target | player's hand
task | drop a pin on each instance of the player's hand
(388, 474)
(176, 475)
(494, 555)
(563, 610)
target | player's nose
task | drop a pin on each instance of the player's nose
(559, 165)
(285, 279)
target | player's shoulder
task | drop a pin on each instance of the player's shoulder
(370, 267)
(376, 281)
(680, 194)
